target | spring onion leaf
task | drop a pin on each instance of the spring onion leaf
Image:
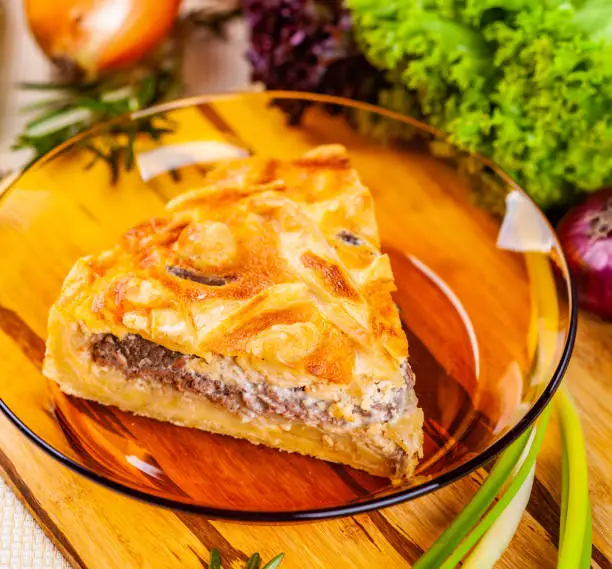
(493, 544)
(576, 537)
(462, 525)
(505, 499)
(587, 550)
(564, 495)
(55, 121)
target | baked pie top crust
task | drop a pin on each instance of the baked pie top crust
(274, 261)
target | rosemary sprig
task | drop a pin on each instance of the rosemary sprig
(77, 106)
(252, 563)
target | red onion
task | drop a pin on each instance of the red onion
(586, 236)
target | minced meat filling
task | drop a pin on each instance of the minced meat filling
(137, 357)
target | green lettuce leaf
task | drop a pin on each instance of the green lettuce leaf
(527, 83)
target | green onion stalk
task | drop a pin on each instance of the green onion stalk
(481, 533)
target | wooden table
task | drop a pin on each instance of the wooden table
(98, 529)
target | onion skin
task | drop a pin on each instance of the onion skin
(96, 36)
(586, 236)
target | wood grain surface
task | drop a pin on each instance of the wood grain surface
(98, 529)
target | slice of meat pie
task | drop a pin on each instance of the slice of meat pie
(257, 307)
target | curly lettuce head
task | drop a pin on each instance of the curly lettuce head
(526, 82)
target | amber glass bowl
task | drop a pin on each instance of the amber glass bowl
(483, 289)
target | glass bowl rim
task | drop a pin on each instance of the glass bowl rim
(328, 512)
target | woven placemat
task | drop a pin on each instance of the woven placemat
(23, 545)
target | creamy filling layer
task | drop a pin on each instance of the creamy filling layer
(223, 381)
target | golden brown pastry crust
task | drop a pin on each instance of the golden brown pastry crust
(274, 260)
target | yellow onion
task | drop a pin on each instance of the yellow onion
(94, 36)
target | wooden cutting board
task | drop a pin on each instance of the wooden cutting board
(98, 529)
